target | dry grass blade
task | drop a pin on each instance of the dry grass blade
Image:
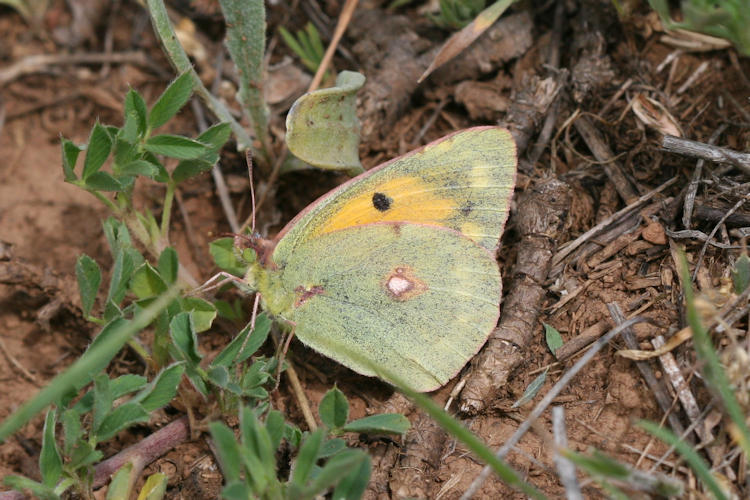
(462, 39)
(547, 400)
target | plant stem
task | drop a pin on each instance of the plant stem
(167, 211)
(179, 59)
(246, 42)
(114, 208)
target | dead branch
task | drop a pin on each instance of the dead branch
(707, 152)
(540, 219)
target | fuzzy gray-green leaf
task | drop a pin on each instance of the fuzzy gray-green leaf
(171, 101)
(322, 126)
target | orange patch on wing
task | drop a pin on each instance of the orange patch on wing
(402, 284)
(404, 198)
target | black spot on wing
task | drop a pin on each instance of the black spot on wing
(381, 202)
(467, 207)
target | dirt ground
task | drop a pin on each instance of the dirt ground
(607, 73)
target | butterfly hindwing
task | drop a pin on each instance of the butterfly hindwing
(418, 300)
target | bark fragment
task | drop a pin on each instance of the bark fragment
(540, 219)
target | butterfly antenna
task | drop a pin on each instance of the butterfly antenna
(249, 160)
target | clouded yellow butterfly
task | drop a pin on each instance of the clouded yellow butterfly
(396, 268)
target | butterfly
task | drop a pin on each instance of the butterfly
(394, 272)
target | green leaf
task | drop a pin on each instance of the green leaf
(334, 409)
(135, 110)
(125, 152)
(229, 310)
(215, 136)
(168, 265)
(83, 455)
(22, 484)
(203, 312)
(70, 154)
(331, 447)
(175, 96)
(175, 146)
(121, 417)
(219, 376)
(741, 274)
(183, 335)
(246, 42)
(97, 151)
(532, 390)
(293, 435)
(103, 181)
(163, 389)
(255, 438)
(236, 490)
(226, 257)
(140, 167)
(99, 353)
(231, 353)
(103, 399)
(146, 282)
(50, 462)
(553, 337)
(354, 484)
(275, 427)
(390, 423)
(308, 455)
(227, 450)
(72, 432)
(190, 168)
(162, 175)
(344, 464)
(89, 278)
(120, 487)
(126, 262)
(322, 126)
(122, 385)
(155, 487)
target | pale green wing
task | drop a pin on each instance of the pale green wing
(417, 300)
(463, 181)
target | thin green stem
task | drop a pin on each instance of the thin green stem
(179, 59)
(167, 211)
(114, 208)
(140, 350)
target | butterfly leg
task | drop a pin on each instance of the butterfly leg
(216, 281)
(281, 351)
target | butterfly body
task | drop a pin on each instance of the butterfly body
(396, 269)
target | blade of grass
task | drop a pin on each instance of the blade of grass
(714, 373)
(107, 348)
(697, 464)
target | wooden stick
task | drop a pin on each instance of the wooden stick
(708, 152)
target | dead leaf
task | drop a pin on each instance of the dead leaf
(654, 233)
(694, 42)
(462, 39)
(673, 342)
(655, 115)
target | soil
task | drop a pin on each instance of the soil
(606, 68)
